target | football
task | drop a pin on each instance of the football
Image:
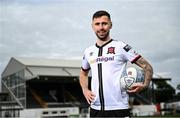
(130, 78)
(127, 82)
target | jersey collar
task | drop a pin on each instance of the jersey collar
(104, 44)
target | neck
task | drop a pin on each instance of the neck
(102, 42)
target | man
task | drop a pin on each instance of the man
(107, 60)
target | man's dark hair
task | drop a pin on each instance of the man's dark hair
(100, 14)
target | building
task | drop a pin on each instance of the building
(44, 84)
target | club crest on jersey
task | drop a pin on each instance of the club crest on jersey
(111, 50)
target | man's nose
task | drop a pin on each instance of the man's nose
(101, 26)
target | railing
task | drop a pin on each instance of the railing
(9, 109)
(13, 96)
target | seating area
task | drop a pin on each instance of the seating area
(54, 94)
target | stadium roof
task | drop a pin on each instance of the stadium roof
(43, 67)
(49, 62)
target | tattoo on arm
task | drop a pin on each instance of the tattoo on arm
(148, 70)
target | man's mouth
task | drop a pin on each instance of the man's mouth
(102, 33)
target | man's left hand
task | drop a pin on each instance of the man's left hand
(136, 88)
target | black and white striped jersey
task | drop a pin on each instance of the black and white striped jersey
(107, 63)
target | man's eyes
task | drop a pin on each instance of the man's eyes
(101, 23)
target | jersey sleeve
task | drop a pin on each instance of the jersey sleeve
(130, 54)
(85, 64)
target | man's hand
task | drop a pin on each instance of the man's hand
(89, 95)
(136, 88)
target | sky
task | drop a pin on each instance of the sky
(62, 29)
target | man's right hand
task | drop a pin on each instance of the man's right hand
(89, 95)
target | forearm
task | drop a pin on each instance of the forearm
(148, 73)
(89, 95)
(148, 70)
(83, 79)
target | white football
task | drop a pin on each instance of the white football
(127, 82)
(130, 78)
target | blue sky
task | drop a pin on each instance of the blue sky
(62, 28)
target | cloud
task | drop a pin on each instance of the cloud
(47, 28)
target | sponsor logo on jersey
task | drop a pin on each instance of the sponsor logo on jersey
(111, 50)
(130, 50)
(127, 48)
(102, 59)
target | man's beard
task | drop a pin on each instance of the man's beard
(104, 38)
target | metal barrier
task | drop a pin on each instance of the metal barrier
(9, 110)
